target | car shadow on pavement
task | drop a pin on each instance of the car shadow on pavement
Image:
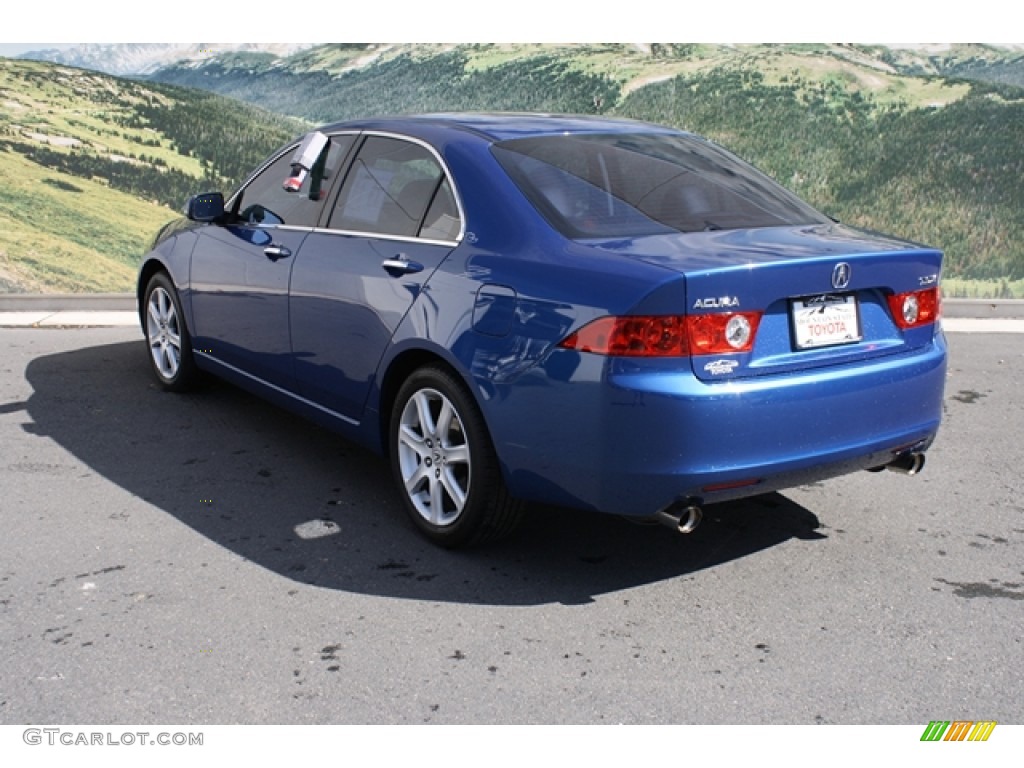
(304, 503)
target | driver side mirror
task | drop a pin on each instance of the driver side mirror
(208, 206)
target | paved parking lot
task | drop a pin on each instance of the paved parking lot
(210, 558)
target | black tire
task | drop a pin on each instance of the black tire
(444, 464)
(168, 343)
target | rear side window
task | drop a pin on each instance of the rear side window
(635, 184)
(396, 187)
(442, 221)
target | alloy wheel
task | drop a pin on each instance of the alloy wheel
(434, 457)
(164, 333)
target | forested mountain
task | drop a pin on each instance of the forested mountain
(91, 166)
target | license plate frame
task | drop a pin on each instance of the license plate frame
(825, 320)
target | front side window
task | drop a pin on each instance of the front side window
(265, 203)
(620, 185)
(395, 187)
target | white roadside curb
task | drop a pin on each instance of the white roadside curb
(983, 324)
(68, 319)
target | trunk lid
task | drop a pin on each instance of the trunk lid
(822, 290)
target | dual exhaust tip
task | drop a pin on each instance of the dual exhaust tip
(685, 516)
(906, 464)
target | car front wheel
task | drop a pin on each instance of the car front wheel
(444, 463)
(167, 338)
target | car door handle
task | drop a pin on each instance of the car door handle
(275, 252)
(401, 266)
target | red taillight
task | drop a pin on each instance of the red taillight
(640, 336)
(915, 308)
(722, 334)
(666, 335)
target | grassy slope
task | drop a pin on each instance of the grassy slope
(50, 244)
(117, 159)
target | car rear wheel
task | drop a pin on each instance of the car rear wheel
(170, 348)
(444, 463)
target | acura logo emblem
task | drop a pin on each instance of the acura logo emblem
(841, 275)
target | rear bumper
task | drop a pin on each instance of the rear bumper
(632, 437)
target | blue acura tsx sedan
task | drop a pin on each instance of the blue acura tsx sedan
(602, 314)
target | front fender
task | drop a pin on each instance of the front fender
(172, 255)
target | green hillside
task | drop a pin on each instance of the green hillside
(874, 136)
(91, 166)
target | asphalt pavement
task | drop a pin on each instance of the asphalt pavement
(210, 558)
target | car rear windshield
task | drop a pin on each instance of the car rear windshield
(618, 185)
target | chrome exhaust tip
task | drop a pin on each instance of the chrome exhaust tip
(908, 464)
(682, 516)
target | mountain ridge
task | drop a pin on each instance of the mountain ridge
(146, 58)
(1003, 62)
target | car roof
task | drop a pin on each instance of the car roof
(500, 126)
